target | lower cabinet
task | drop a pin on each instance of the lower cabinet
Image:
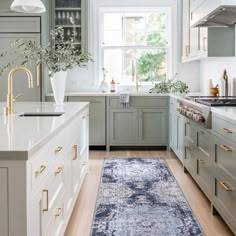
(198, 155)
(224, 188)
(97, 118)
(40, 193)
(176, 133)
(138, 126)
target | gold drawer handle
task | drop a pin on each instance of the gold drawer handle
(59, 211)
(58, 171)
(40, 171)
(202, 161)
(46, 209)
(76, 152)
(58, 149)
(225, 148)
(227, 131)
(224, 185)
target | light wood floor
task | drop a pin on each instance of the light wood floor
(82, 215)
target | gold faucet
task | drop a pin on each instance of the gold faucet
(8, 110)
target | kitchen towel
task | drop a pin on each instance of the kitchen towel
(124, 99)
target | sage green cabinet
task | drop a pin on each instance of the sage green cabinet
(97, 118)
(198, 155)
(144, 123)
(123, 126)
(224, 164)
(176, 130)
(153, 126)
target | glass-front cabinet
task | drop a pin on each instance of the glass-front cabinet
(66, 11)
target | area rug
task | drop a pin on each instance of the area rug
(140, 197)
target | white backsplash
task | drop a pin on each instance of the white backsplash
(212, 68)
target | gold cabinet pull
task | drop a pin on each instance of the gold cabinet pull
(187, 51)
(227, 188)
(40, 171)
(226, 148)
(59, 169)
(59, 211)
(58, 149)
(202, 161)
(227, 131)
(75, 147)
(38, 74)
(46, 208)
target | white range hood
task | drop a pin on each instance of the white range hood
(212, 13)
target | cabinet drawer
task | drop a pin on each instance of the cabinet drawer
(46, 160)
(55, 224)
(225, 157)
(223, 127)
(204, 175)
(224, 197)
(20, 24)
(53, 188)
(141, 102)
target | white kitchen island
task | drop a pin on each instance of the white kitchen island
(43, 162)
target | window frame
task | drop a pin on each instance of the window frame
(169, 47)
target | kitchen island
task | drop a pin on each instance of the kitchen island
(43, 162)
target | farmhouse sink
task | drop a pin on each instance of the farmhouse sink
(41, 114)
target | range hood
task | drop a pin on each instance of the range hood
(215, 13)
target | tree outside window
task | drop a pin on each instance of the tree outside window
(137, 40)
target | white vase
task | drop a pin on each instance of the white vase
(104, 86)
(58, 82)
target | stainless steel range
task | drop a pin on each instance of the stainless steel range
(195, 111)
(214, 101)
(198, 108)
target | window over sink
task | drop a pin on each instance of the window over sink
(136, 42)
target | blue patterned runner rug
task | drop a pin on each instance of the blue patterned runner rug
(140, 197)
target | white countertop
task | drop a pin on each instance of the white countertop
(227, 112)
(21, 135)
(100, 94)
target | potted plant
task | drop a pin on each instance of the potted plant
(57, 56)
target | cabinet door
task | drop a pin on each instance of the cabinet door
(193, 42)
(190, 147)
(186, 28)
(4, 224)
(153, 126)
(203, 40)
(123, 126)
(20, 83)
(173, 130)
(97, 118)
(204, 155)
(180, 137)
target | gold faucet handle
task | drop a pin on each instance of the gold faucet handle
(17, 96)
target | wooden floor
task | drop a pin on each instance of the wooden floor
(82, 216)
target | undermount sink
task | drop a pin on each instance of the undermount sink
(41, 114)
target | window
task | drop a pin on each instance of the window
(136, 43)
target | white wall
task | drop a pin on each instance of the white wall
(87, 80)
(212, 68)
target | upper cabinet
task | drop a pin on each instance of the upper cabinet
(202, 42)
(67, 10)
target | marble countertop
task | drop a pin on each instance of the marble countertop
(23, 136)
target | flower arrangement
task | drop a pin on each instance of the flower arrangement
(58, 55)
